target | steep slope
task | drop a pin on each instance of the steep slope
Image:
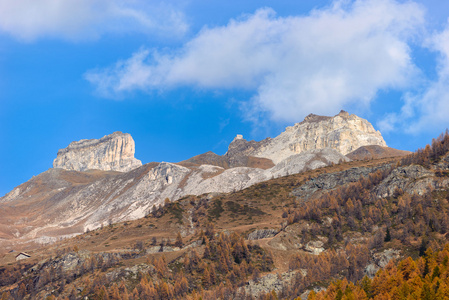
(59, 203)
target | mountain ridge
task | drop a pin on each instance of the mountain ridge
(284, 237)
(93, 198)
(303, 243)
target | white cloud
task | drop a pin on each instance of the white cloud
(78, 19)
(128, 74)
(334, 57)
(429, 109)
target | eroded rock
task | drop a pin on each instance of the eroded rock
(380, 260)
(343, 132)
(414, 179)
(262, 234)
(326, 182)
(314, 247)
(114, 152)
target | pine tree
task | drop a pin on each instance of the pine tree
(423, 247)
(387, 235)
(365, 284)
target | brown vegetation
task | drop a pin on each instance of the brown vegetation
(195, 247)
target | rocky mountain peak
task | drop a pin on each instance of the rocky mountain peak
(241, 147)
(114, 152)
(238, 137)
(343, 132)
(343, 113)
(314, 118)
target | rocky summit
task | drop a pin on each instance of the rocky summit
(84, 191)
(114, 152)
(344, 132)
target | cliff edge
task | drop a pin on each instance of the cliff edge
(114, 152)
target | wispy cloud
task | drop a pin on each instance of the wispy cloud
(125, 75)
(428, 109)
(29, 20)
(333, 57)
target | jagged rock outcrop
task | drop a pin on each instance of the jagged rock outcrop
(381, 260)
(236, 156)
(314, 247)
(414, 179)
(326, 182)
(262, 234)
(343, 132)
(241, 147)
(444, 163)
(114, 152)
(240, 153)
(268, 283)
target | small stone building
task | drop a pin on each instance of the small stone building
(22, 255)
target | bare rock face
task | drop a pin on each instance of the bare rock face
(381, 260)
(262, 234)
(114, 152)
(343, 132)
(326, 182)
(414, 179)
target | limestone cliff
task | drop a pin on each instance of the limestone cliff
(343, 132)
(114, 152)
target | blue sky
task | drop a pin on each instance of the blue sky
(184, 77)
